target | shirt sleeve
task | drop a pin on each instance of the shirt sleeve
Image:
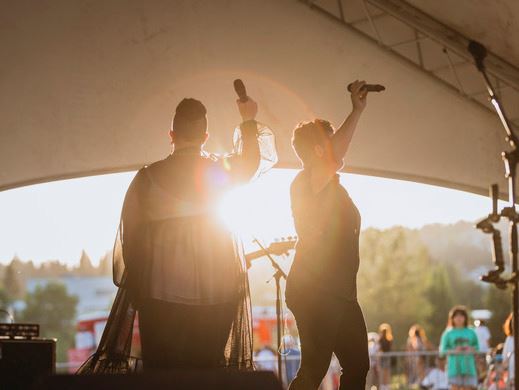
(427, 381)
(254, 151)
(132, 225)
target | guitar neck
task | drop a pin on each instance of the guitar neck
(255, 255)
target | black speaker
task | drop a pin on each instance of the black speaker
(189, 380)
(24, 361)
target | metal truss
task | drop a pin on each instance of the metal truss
(436, 49)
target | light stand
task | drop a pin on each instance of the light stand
(277, 277)
(510, 159)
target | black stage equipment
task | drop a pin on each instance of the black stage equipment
(189, 379)
(23, 361)
(510, 159)
(12, 330)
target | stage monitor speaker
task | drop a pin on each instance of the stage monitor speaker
(23, 361)
(178, 380)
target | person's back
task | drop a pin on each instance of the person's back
(189, 244)
(184, 273)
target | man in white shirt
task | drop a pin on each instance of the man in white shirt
(436, 379)
(483, 335)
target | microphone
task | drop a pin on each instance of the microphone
(369, 87)
(239, 87)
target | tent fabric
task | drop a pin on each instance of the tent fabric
(90, 87)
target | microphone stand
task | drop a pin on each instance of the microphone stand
(510, 159)
(277, 276)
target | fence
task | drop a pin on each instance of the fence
(401, 370)
(404, 370)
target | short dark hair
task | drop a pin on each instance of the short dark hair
(309, 134)
(187, 121)
(454, 312)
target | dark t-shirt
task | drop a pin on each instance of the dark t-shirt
(327, 251)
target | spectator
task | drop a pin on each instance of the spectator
(460, 343)
(292, 359)
(508, 350)
(417, 344)
(483, 335)
(371, 379)
(484, 346)
(266, 359)
(436, 379)
(385, 343)
(496, 378)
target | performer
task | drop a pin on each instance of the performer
(177, 264)
(321, 287)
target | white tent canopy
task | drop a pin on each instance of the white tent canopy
(90, 87)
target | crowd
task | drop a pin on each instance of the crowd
(463, 360)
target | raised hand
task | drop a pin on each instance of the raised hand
(358, 96)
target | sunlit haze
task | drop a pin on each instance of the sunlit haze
(57, 220)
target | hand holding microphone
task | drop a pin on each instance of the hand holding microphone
(368, 87)
(359, 92)
(358, 95)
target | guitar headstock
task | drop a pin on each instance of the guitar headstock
(283, 245)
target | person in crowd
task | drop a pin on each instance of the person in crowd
(483, 334)
(372, 378)
(496, 377)
(321, 288)
(266, 359)
(385, 344)
(436, 378)
(417, 344)
(460, 343)
(292, 354)
(175, 262)
(508, 350)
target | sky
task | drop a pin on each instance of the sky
(57, 220)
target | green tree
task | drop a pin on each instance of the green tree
(4, 299)
(392, 280)
(12, 281)
(105, 264)
(55, 310)
(440, 296)
(499, 302)
(465, 291)
(85, 265)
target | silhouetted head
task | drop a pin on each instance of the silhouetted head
(458, 317)
(189, 124)
(312, 143)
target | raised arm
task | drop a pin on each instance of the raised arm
(254, 145)
(341, 139)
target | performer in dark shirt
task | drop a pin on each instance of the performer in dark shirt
(175, 262)
(321, 287)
